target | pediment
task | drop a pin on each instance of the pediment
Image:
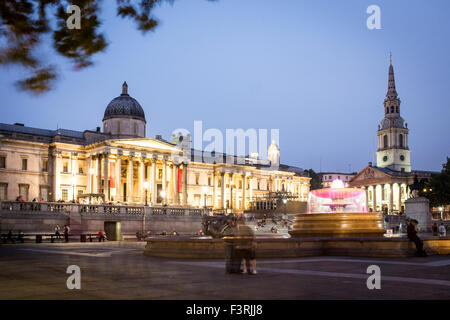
(369, 173)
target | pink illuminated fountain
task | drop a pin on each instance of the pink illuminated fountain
(337, 198)
(338, 212)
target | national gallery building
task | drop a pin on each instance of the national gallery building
(119, 164)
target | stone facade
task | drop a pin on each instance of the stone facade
(123, 166)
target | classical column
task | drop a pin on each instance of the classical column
(185, 202)
(106, 176)
(250, 183)
(56, 172)
(391, 198)
(244, 186)
(153, 181)
(367, 196)
(99, 174)
(89, 175)
(222, 187)
(399, 198)
(130, 180)
(214, 189)
(164, 180)
(230, 186)
(141, 180)
(374, 198)
(118, 182)
(175, 184)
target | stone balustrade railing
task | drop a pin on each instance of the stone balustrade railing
(86, 209)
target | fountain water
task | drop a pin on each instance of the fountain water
(338, 212)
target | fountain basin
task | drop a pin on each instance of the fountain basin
(338, 224)
(189, 248)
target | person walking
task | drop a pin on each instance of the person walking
(246, 247)
(412, 235)
(232, 261)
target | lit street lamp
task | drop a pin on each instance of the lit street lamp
(441, 209)
(145, 187)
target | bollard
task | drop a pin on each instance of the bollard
(38, 238)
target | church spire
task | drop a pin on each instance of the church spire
(392, 92)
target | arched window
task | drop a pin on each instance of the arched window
(135, 128)
(392, 109)
(396, 108)
(387, 110)
(385, 141)
(400, 138)
(118, 126)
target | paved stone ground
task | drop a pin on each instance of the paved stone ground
(120, 271)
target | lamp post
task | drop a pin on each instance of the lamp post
(205, 190)
(285, 202)
(146, 188)
(231, 196)
(441, 209)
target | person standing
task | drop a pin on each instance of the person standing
(58, 232)
(412, 235)
(442, 230)
(434, 229)
(66, 233)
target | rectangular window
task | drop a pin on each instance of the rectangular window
(24, 164)
(66, 167)
(2, 162)
(23, 191)
(80, 192)
(240, 184)
(65, 194)
(197, 178)
(160, 174)
(3, 191)
(209, 181)
(44, 193)
(45, 165)
(80, 170)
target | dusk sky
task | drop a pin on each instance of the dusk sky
(309, 68)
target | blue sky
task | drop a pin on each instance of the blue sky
(310, 68)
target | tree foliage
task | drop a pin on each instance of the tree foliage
(25, 24)
(315, 182)
(437, 189)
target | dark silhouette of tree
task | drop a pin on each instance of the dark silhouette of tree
(437, 189)
(25, 24)
(315, 182)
